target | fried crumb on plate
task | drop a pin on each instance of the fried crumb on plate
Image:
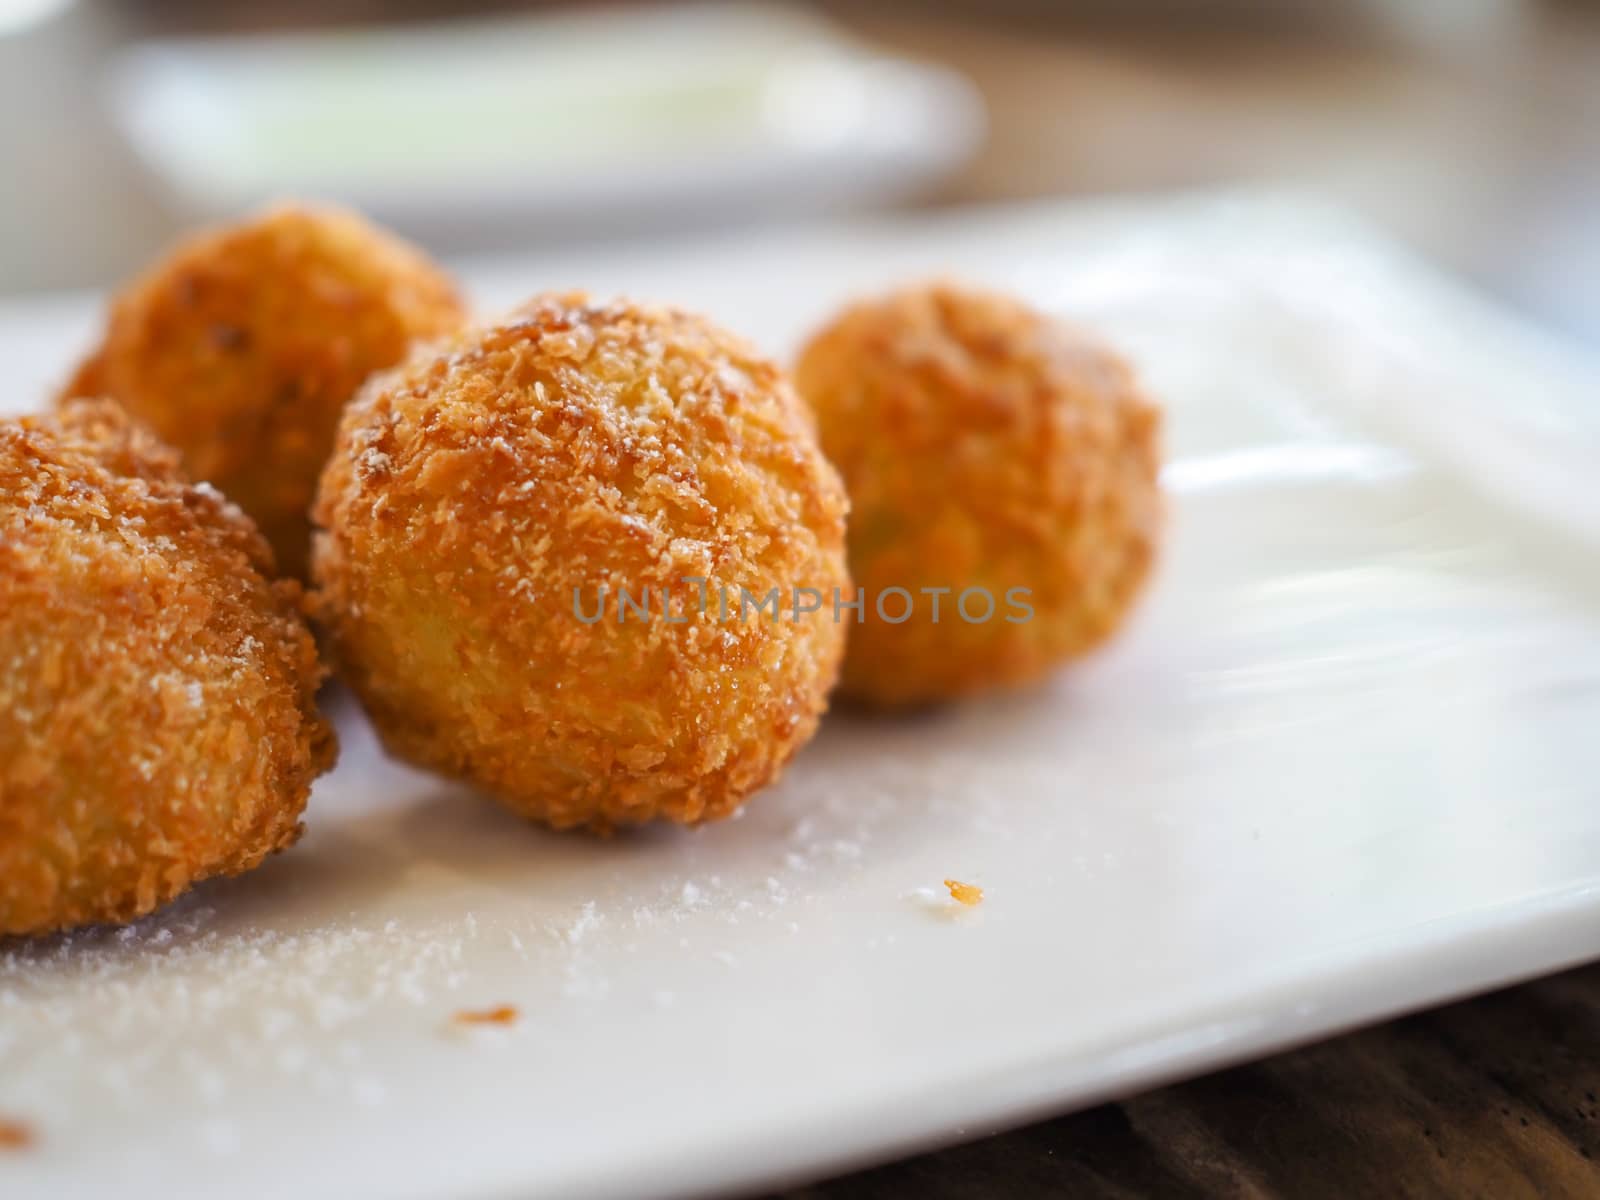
(504, 1014)
(15, 1135)
(969, 894)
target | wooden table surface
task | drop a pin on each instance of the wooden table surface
(1494, 1097)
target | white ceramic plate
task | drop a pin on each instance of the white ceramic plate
(1344, 764)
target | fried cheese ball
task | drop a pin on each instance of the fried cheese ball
(488, 503)
(157, 715)
(1002, 471)
(241, 347)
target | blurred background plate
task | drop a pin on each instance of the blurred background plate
(563, 120)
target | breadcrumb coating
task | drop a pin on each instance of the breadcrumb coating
(984, 446)
(242, 346)
(482, 495)
(157, 715)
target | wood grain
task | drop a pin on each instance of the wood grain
(1493, 1097)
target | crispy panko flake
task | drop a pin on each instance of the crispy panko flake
(15, 1135)
(157, 715)
(482, 496)
(242, 346)
(986, 448)
(505, 1014)
(969, 894)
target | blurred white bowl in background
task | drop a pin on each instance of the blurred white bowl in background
(625, 117)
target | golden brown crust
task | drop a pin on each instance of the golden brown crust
(157, 693)
(241, 347)
(983, 446)
(575, 446)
